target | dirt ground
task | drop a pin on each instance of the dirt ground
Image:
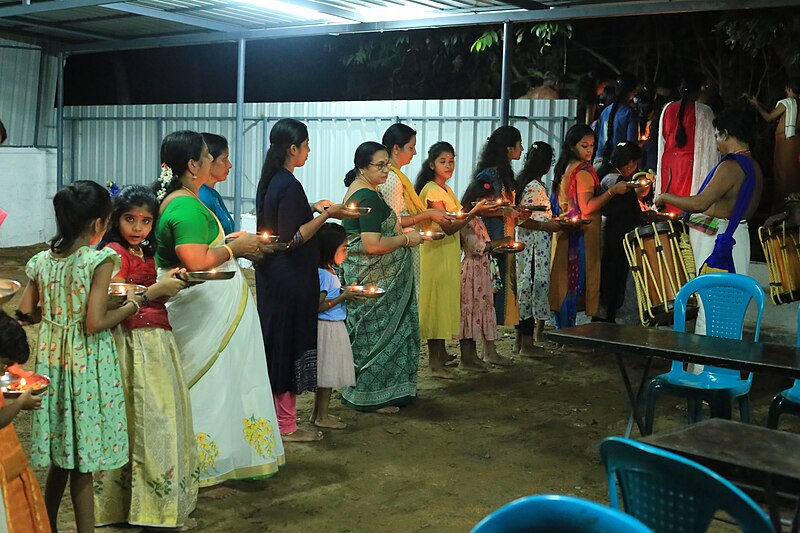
(465, 447)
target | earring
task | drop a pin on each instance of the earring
(194, 177)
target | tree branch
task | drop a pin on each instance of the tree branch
(596, 55)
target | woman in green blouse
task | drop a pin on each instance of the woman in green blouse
(215, 324)
(384, 332)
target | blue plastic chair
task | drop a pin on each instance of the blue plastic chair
(565, 514)
(787, 401)
(725, 300)
(670, 493)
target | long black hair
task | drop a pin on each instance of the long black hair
(568, 153)
(397, 135)
(362, 159)
(177, 149)
(688, 88)
(130, 197)
(216, 144)
(13, 340)
(537, 163)
(495, 154)
(330, 236)
(287, 132)
(78, 205)
(476, 190)
(427, 173)
(626, 84)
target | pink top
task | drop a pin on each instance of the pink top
(141, 272)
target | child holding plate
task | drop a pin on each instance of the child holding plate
(334, 354)
(21, 506)
(163, 450)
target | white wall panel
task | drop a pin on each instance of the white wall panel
(122, 142)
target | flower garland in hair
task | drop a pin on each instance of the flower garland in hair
(164, 179)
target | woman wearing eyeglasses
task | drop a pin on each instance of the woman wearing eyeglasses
(384, 332)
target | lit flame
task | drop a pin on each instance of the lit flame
(22, 382)
(371, 289)
(351, 206)
(574, 219)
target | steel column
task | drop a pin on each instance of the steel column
(238, 141)
(505, 84)
(60, 123)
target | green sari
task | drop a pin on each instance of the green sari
(384, 332)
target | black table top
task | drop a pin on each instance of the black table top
(750, 450)
(741, 355)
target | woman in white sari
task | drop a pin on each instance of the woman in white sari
(215, 325)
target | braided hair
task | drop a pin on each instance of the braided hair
(688, 88)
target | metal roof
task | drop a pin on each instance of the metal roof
(76, 26)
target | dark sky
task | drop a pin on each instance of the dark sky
(298, 69)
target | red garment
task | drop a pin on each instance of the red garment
(141, 272)
(679, 160)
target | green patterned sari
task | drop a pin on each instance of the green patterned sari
(384, 332)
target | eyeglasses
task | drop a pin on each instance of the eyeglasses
(383, 165)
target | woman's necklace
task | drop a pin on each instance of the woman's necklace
(743, 151)
(137, 251)
(184, 187)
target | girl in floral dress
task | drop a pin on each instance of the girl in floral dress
(158, 488)
(478, 318)
(81, 427)
(533, 263)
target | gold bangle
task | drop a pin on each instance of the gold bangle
(135, 303)
(230, 252)
(408, 241)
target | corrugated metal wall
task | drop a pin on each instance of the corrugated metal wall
(23, 101)
(121, 143)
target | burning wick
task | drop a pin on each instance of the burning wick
(351, 206)
(574, 219)
(515, 244)
(22, 382)
(460, 214)
(265, 235)
(371, 289)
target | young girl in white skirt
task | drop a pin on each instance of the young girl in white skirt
(334, 354)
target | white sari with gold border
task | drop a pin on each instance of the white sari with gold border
(217, 329)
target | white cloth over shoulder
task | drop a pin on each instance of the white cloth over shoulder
(790, 118)
(706, 154)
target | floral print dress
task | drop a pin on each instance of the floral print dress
(478, 318)
(533, 263)
(81, 425)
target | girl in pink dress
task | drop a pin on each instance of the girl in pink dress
(478, 319)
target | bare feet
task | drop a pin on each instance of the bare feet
(302, 435)
(313, 417)
(189, 525)
(497, 359)
(218, 492)
(389, 410)
(533, 352)
(331, 422)
(474, 366)
(442, 373)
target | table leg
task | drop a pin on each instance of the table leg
(634, 399)
(772, 505)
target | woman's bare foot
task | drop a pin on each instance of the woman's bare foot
(330, 422)
(313, 417)
(218, 492)
(302, 435)
(533, 352)
(497, 359)
(442, 373)
(474, 366)
(388, 410)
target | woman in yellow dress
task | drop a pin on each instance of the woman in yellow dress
(440, 263)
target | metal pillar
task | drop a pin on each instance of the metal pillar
(505, 86)
(60, 124)
(238, 157)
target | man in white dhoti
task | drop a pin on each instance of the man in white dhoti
(729, 196)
